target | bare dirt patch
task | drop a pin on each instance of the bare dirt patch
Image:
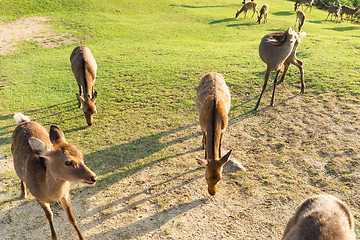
(31, 29)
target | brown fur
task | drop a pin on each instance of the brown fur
(302, 2)
(349, 11)
(300, 16)
(246, 7)
(334, 10)
(263, 13)
(321, 217)
(213, 105)
(276, 50)
(84, 67)
(45, 164)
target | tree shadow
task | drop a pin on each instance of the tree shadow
(342, 29)
(191, 6)
(222, 21)
(284, 13)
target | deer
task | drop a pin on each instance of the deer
(276, 50)
(263, 13)
(83, 66)
(334, 10)
(300, 17)
(321, 217)
(302, 2)
(213, 105)
(248, 6)
(46, 163)
(349, 11)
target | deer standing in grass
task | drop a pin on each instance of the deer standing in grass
(334, 10)
(213, 106)
(248, 6)
(302, 2)
(84, 67)
(321, 217)
(349, 11)
(276, 50)
(300, 17)
(263, 13)
(45, 163)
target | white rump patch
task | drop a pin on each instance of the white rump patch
(19, 118)
(302, 34)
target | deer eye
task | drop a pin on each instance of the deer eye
(68, 163)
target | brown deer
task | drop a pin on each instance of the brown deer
(334, 10)
(321, 217)
(213, 105)
(84, 67)
(302, 2)
(300, 17)
(349, 11)
(277, 49)
(263, 13)
(246, 7)
(45, 163)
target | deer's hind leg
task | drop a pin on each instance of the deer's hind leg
(275, 83)
(23, 190)
(267, 74)
(80, 92)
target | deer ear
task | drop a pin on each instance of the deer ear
(202, 162)
(38, 146)
(80, 98)
(225, 158)
(95, 96)
(56, 134)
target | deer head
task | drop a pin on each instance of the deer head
(88, 107)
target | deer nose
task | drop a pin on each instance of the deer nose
(94, 179)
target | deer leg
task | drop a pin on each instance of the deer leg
(203, 140)
(328, 16)
(300, 65)
(286, 67)
(267, 74)
(66, 204)
(49, 217)
(275, 81)
(245, 13)
(23, 190)
(80, 92)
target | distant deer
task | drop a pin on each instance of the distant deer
(302, 2)
(246, 7)
(300, 17)
(45, 163)
(263, 13)
(334, 10)
(213, 105)
(84, 67)
(321, 217)
(277, 49)
(349, 11)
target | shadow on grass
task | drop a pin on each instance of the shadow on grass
(284, 13)
(191, 6)
(222, 20)
(343, 29)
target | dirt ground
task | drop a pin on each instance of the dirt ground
(303, 146)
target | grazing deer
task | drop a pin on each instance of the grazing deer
(334, 10)
(246, 7)
(300, 17)
(84, 67)
(302, 2)
(277, 49)
(321, 217)
(45, 163)
(213, 105)
(263, 13)
(349, 11)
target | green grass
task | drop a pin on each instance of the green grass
(150, 58)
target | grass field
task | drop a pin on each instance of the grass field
(151, 56)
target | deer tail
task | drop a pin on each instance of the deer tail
(19, 118)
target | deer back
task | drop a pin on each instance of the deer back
(247, 6)
(45, 163)
(275, 48)
(213, 105)
(321, 217)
